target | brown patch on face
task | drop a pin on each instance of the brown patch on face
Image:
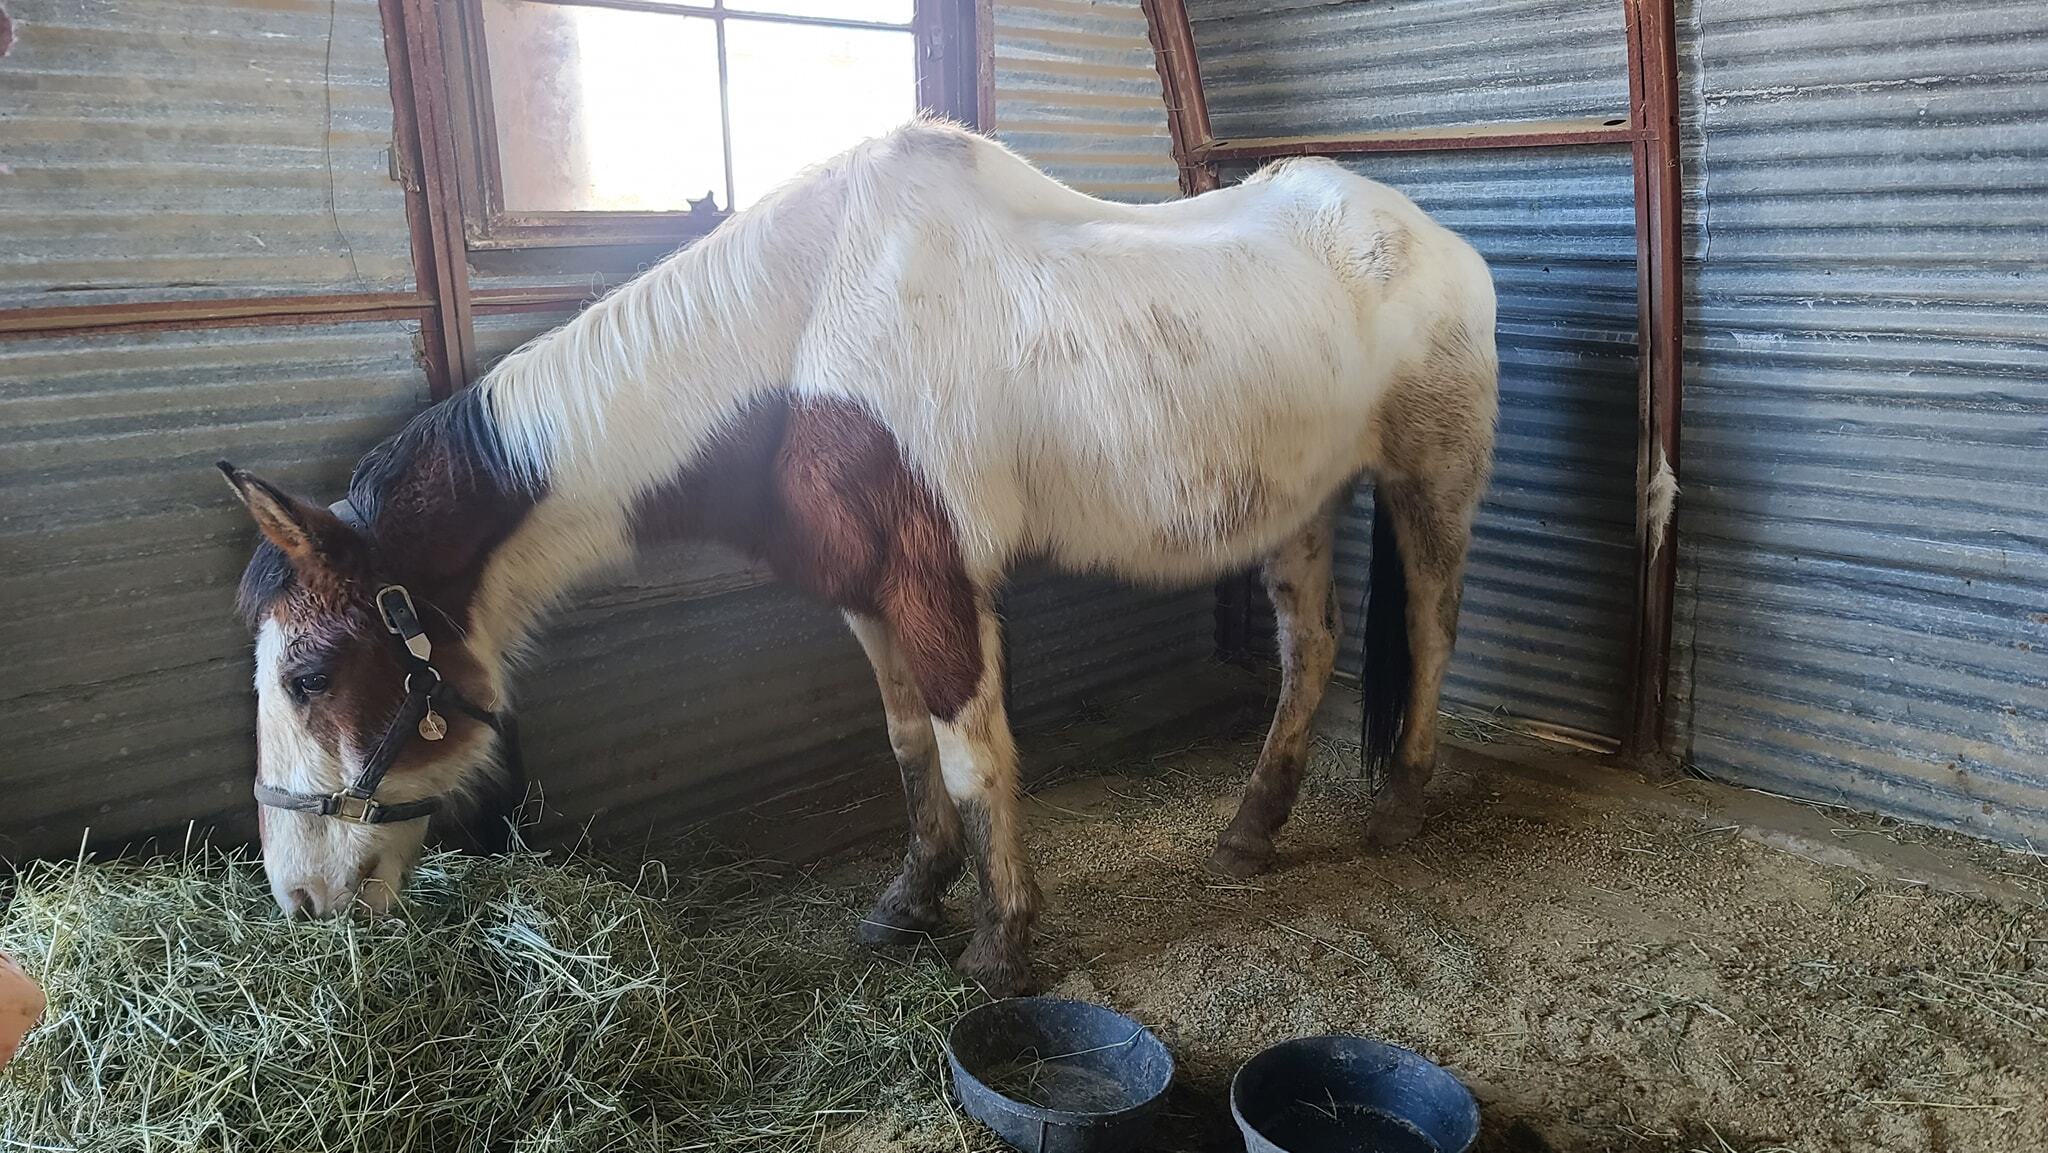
(820, 489)
(365, 679)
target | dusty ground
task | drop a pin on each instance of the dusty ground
(1628, 969)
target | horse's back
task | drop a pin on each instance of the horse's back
(1161, 390)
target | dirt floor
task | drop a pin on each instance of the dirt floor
(1609, 965)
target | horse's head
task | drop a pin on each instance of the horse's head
(372, 703)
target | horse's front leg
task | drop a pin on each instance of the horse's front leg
(978, 758)
(913, 905)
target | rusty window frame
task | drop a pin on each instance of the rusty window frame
(948, 37)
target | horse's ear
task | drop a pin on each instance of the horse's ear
(309, 536)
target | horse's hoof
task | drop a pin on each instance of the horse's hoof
(1392, 825)
(1241, 857)
(888, 927)
(999, 973)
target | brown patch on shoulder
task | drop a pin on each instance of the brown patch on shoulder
(819, 488)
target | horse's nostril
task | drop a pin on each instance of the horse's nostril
(301, 904)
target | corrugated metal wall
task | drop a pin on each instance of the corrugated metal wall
(1864, 558)
(1076, 90)
(124, 695)
(172, 149)
(1549, 588)
(1316, 68)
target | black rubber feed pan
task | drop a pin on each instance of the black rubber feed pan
(1057, 1076)
(1342, 1094)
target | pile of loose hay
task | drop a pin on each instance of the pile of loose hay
(515, 1004)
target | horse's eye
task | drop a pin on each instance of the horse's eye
(312, 684)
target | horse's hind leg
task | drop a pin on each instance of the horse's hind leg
(1432, 523)
(1298, 581)
(914, 903)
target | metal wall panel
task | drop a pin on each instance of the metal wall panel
(500, 334)
(1076, 90)
(172, 149)
(1074, 640)
(124, 695)
(651, 708)
(1302, 68)
(1864, 557)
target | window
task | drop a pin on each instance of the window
(634, 121)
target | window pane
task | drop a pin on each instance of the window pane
(801, 93)
(879, 11)
(602, 109)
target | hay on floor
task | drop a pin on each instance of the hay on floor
(514, 1004)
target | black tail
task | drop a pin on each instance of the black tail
(1385, 665)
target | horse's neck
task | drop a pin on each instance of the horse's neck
(622, 402)
(624, 397)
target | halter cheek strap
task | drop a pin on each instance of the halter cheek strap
(424, 690)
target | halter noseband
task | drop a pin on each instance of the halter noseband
(424, 689)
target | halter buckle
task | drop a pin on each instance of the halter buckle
(401, 620)
(351, 808)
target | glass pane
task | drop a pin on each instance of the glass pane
(878, 11)
(802, 93)
(602, 109)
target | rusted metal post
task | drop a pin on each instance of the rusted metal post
(1187, 107)
(1653, 112)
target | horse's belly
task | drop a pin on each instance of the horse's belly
(1183, 518)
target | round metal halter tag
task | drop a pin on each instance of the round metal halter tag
(432, 727)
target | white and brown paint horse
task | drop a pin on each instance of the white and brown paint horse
(896, 377)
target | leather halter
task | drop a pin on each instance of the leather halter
(424, 689)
